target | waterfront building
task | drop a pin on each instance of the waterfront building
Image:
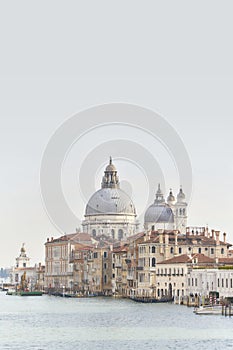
(25, 276)
(216, 279)
(171, 274)
(159, 246)
(58, 268)
(110, 211)
(119, 270)
(92, 270)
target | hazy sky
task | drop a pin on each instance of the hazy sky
(60, 57)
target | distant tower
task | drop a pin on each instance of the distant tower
(181, 212)
(22, 260)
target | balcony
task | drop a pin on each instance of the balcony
(139, 268)
(130, 277)
(118, 265)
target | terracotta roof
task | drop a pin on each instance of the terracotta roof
(228, 261)
(124, 248)
(184, 258)
(136, 236)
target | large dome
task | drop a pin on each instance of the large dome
(159, 214)
(110, 201)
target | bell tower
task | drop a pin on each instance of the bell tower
(181, 212)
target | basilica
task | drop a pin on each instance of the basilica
(111, 212)
(111, 256)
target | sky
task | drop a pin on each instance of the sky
(59, 58)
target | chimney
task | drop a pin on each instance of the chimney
(224, 237)
(217, 234)
(212, 234)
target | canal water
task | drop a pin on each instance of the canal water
(55, 323)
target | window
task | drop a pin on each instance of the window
(195, 282)
(105, 279)
(222, 251)
(231, 282)
(95, 255)
(212, 250)
(105, 254)
(113, 275)
(226, 283)
(153, 262)
(180, 250)
(113, 233)
(222, 282)
(172, 250)
(218, 282)
(153, 249)
(105, 266)
(199, 250)
(152, 227)
(93, 233)
(24, 264)
(141, 277)
(120, 234)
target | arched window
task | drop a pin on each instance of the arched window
(183, 211)
(153, 262)
(113, 233)
(120, 234)
(93, 233)
(222, 251)
(153, 249)
(180, 211)
(105, 279)
(172, 250)
(158, 292)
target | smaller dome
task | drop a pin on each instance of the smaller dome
(159, 214)
(110, 167)
(171, 198)
(180, 196)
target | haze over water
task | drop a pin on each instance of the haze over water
(106, 323)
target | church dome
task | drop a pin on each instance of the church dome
(159, 214)
(110, 199)
(159, 211)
